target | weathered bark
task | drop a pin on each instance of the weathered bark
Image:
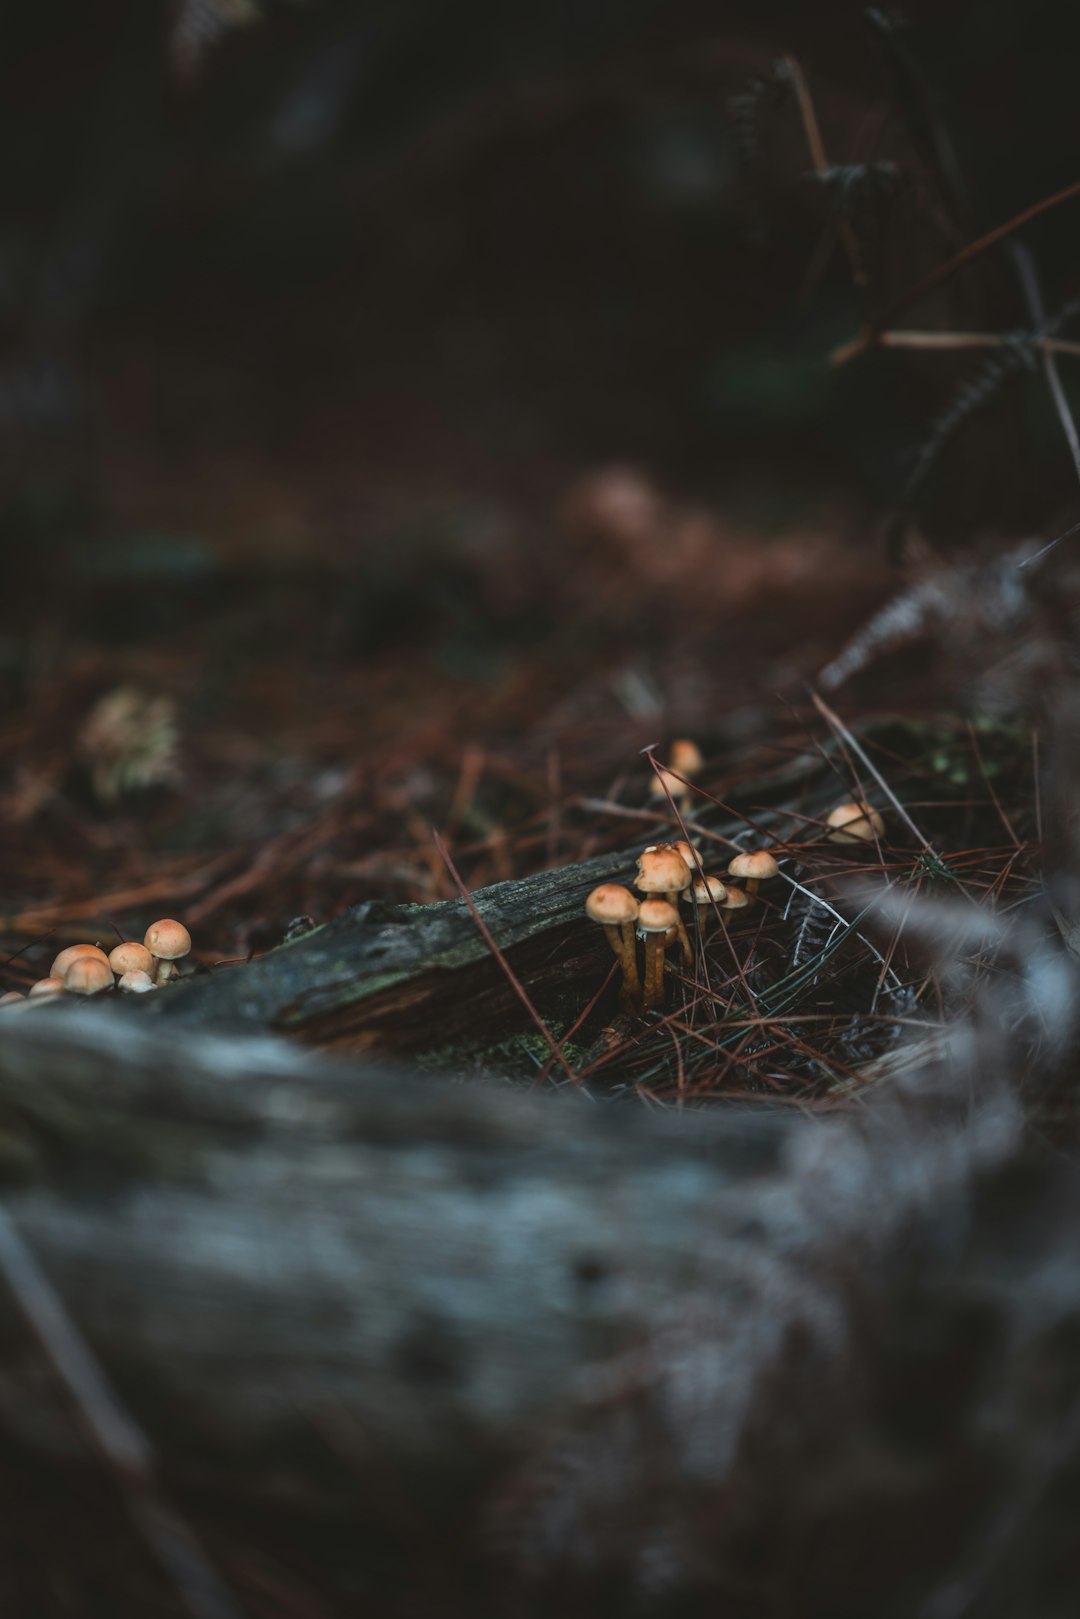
(386, 1318)
(400, 978)
(263, 1238)
(353, 1285)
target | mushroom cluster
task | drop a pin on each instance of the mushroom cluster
(666, 874)
(85, 969)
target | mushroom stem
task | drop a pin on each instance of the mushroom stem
(654, 971)
(621, 940)
(684, 938)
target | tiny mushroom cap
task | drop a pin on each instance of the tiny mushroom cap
(88, 976)
(759, 866)
(657, 916)
(11, 995)
(168, 940)
(611, 905)
(130, 958)
(854, 822)
(735, 900)
(135, 982)
(47, 986)
(666, 783)
(706, 891)
(662, 870)
(685, 757)
(72, 953)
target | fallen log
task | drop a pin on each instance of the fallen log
(422, 1348)
(403, 978)
(352, 1286)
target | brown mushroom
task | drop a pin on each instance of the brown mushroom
(168, 941)
(685, 757)
(854, 822)
(72, 953)
(616, 910)
(88, 976)
(662, 870)
(705, 892)
(655, 917)
(46, 987)
(755, 867)
(130, 957)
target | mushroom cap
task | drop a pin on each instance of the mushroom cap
(167, 939)
(735, 900)
(47, 986)
(758, 864)
(685, 757)
(130, 958)
(88, 976)
(611, 905)
(135, 982)
(706, 891)
(688, 852)
(10, 996)
(662, 870)
(72, 953)
(656, 916)
(854, 822)
(666, 784)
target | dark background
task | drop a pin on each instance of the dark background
(310, 330)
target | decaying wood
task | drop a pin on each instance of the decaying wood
(401, 977)
(262, 1244)
(457, 1335)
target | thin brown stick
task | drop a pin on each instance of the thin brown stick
(913, 338)
(512, 979)
(870, 335)
(851, 741)
(819, 158)
(174, 887)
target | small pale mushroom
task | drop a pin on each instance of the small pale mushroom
(655, 918)
(665, 784)
(46, 987)
(854, 822)
(88, 976)
(704, 894)
(11, 997)
(135, 982)
(168, 941)
(616, 910)
(130, 957)
(72, 953)
(734, 900)
(755, 867)
(675, 779)
(685, 756)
